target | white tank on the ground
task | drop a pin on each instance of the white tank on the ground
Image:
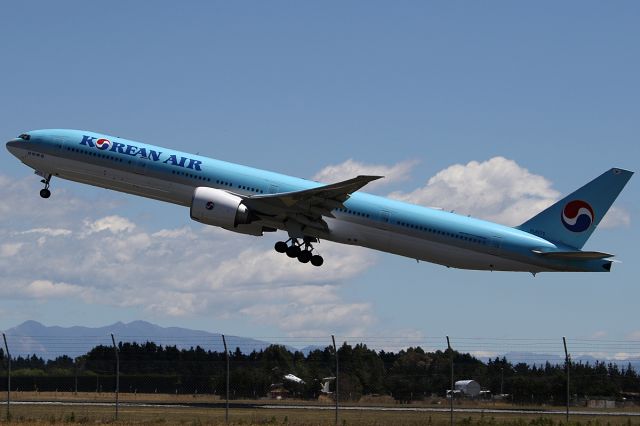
(468, 387)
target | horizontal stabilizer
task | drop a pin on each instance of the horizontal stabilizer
(578, 255)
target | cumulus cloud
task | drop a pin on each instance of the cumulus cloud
(350, 168)
(616, 216)
(113, 224)
(191, 270)
(497, 189)
(48, 289)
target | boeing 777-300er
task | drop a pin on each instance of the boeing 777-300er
(252, 201)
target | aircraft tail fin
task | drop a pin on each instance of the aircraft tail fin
(572, 220)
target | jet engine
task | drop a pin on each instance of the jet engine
(219, 208)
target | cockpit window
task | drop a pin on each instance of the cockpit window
(25, 136)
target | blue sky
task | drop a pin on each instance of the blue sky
(519, 101)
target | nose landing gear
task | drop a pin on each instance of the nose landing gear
(45, 193)
(300, 250)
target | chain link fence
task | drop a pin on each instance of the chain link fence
(395, 371)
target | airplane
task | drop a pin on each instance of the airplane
(253, 201)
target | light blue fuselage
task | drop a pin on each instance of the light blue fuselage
(368, 220)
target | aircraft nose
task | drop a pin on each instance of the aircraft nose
(13, 146)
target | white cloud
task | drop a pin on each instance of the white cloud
(113, 224)
(635, 335)
(624, 356)
(47, 232)
(616, 216)
(484, 354)
(177, 304)
(10, 249)
(266, 266)
(184, 232)
(187, 271)
(497, 189)
(48, 289)
(51, 232)
(350, 169)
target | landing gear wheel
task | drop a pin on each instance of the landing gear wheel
(45, 193)
(303, 251)
(293, 251)
(304, 256)
(281, 247)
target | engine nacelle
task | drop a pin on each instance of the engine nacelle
(219, 208)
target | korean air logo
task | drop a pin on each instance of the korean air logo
(103, 144)
(577, 216)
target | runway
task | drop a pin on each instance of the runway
(232, 405)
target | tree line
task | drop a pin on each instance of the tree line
(410, 374)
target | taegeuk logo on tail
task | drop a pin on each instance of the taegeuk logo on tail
(577, 216)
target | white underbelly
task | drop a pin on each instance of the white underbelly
(422, 249)
(118, 180)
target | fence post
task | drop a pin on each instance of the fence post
(335, 350)
(226, 407)
(567, 360)
(4, 337)
(75, 376)
(115, 348)
(452, 383)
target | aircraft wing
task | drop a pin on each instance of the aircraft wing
(307, 207)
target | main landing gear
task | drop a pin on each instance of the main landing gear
(45, 193)
(301, 250)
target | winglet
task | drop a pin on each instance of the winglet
(353, 184)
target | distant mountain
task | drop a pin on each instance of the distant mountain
(310, 348)
(32, 337)
(532, 358)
